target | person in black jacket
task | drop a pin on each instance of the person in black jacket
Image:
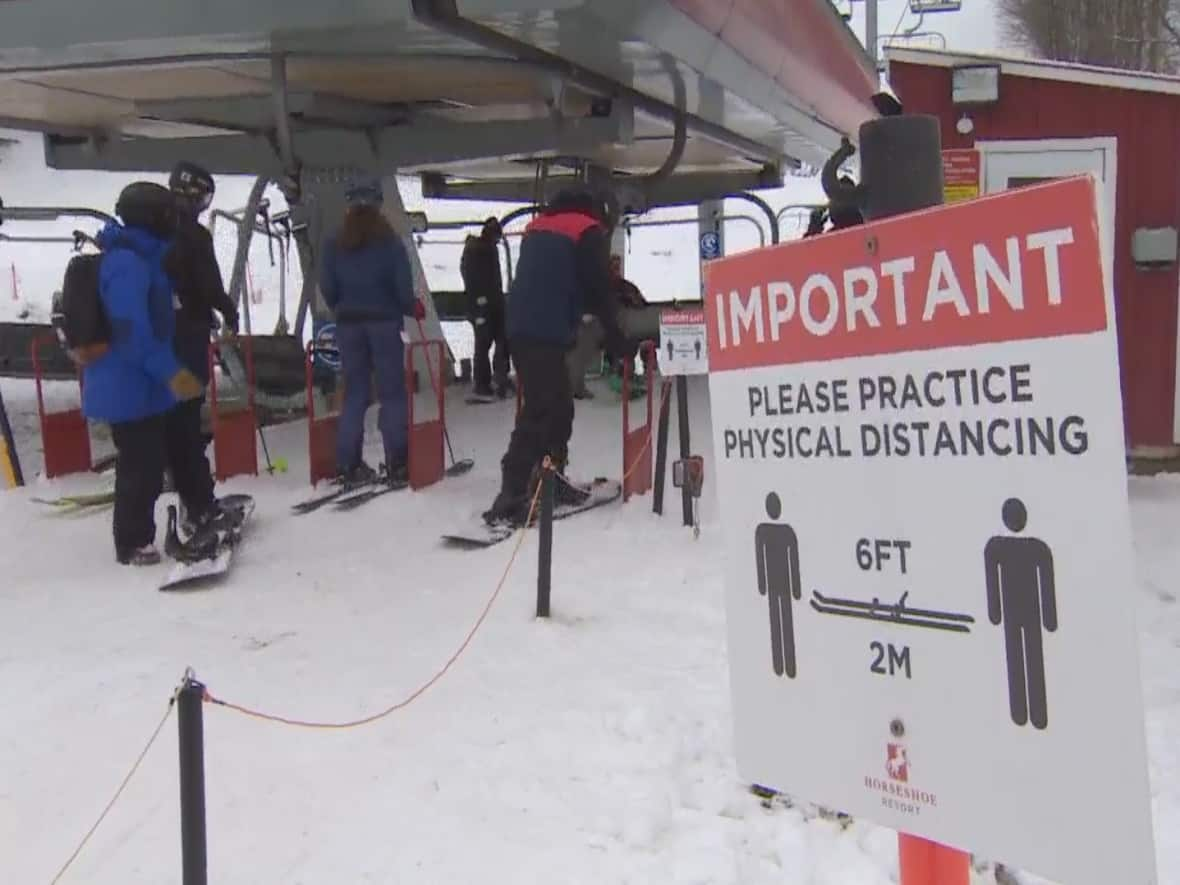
(480, 267)
(562, 274)
(192, 265)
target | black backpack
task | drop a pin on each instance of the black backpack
(78, 315)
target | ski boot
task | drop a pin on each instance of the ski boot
(217, 517)
(204, 544)
(360, 475)
(145, 555)
(505, 388)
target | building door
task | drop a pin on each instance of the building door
(1008, 164)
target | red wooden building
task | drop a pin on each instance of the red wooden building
(1030, 120)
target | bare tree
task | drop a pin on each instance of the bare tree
(1130, 34)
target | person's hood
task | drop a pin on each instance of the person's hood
(137, 239)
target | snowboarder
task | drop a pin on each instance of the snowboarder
(192, 265)
(776, 552)
(367, 283)
(1022, 596)
(139, 379)
(562, 274)
(480, 267)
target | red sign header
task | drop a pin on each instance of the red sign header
(682, 317)
(1019, 265)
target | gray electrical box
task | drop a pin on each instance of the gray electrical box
(1154, 246)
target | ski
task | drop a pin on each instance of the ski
(479, 534)
(352, 502)
(91, 499)
(884, 616)
(313, 504)
(890, 608)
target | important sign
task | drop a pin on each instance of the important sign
(684, 346)
(930, 600)
(961, 173)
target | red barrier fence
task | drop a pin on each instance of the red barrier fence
(425, 456)
(637, 449)
(321, 432)
(65, 435)
(235, 441)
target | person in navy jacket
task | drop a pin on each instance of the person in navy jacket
(138, 380)
(367, 282)
(562, 274)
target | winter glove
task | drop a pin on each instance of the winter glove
(419, 312)
(185, 385)
(815, 223)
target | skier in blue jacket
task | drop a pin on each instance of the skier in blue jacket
(138, 380)
(367, 282)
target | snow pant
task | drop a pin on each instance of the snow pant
(489, 333)
(546, 419)
(185, 451)
(190, 343)
(139, 478)
(372, 350)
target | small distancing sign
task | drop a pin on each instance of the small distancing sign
(930, 588)
(684, 346)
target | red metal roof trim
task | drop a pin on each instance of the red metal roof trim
(800, 44)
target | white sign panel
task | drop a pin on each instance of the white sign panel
(919, 438)
(684, 347)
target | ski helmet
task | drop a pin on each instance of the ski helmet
(366, 192)
(147, 205)
(194, 184)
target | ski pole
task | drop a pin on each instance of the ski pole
(446, 436)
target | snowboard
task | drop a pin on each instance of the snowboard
(205, 555)
(476, 534)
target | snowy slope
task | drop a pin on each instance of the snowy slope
(591, 749)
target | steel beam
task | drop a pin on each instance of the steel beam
(255, 113)
(418, 144)
(683, 189)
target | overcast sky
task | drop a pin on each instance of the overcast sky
(972, 28)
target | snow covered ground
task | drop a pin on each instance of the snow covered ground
(594, 748)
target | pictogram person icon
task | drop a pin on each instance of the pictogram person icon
(697, 345)
(1021, 595)
(671, 349)
(776, 553)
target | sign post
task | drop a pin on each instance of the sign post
(684, 351)
(921, 471)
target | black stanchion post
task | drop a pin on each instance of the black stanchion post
(657, 498)
(685, 447)
(192, 781)
(545, 548)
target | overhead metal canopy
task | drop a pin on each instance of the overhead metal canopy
(468, 89)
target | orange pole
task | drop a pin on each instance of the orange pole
(924, 862)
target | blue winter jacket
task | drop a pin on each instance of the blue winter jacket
(562, 274)
(370, 284)
(130, 381)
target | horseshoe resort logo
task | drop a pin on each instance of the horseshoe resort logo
(895, 789)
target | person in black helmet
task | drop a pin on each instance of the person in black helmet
(138, 381)
(563, 273)
(196, 276)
